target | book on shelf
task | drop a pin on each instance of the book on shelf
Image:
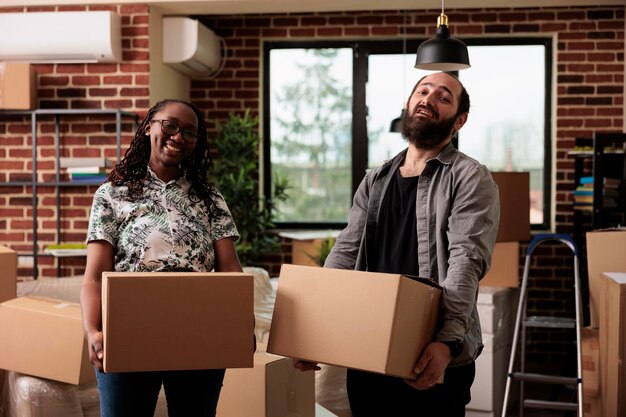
(588, 191)
(87, 170)
(606, 181)
(66, 249)
(71, 162)
(93, 178)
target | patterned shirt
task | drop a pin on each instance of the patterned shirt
(160, 231)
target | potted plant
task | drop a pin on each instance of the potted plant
(235, 173)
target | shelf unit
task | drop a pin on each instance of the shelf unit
(607, 158)
(34, 183)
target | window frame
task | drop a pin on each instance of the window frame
(360, 53)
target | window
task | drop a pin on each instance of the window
(328, 106)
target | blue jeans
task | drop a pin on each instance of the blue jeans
(135, 394)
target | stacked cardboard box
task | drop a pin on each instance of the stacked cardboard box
(272, 388)
(44, 337)
(590, 346)
(612, 341)
(18, 86)
(8, 273)
(606, 252)
(514, 227)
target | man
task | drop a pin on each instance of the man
(433, 212)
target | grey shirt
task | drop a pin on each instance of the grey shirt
(458, 211)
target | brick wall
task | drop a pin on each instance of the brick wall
(589, 63)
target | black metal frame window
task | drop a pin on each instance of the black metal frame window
(327, 107)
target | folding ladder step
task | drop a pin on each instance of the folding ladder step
(523, 324)
(551, 405)
(544, 379)
(550, 322)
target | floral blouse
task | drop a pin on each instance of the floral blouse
(162, 230)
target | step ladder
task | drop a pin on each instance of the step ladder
(524, 322)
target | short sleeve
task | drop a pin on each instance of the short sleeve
(102, 219)
(222, 222)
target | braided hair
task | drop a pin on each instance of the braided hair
(133, 169)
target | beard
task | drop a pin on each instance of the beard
(426, 134)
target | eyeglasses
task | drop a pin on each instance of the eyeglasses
(171, 128)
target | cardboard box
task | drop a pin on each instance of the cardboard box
(369, 321)
(8, 273)
(273, 388)
(306, 245)
(44, 337)
(613, 344)
(514, 188)
(177, 320)
(603, 255)
(590, 348)
(504, 270)
(18, 86)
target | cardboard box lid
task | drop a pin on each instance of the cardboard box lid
(326, 315)
(177, 320)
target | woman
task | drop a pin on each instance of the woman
(157, 213)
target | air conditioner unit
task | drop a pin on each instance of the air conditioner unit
(60, 37)
(190, 47)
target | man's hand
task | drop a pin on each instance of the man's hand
(305, 365)
(430, 366)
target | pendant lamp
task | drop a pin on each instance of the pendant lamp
(443, 52)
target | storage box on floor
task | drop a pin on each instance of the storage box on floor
(181, 317)
(44, 337)
(606, 251)
(590, 347)
(273, 388)
(612, 340)
(325, 315)
(497, 307)
(514, 227)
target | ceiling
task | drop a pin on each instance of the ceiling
(208, 7)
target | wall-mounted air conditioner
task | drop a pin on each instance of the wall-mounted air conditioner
(190, 47)
(60, 37)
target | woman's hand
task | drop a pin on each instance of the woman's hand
(96, 349)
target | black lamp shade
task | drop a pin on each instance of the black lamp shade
(442, 52)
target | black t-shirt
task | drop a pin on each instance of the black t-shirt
(396, 236)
